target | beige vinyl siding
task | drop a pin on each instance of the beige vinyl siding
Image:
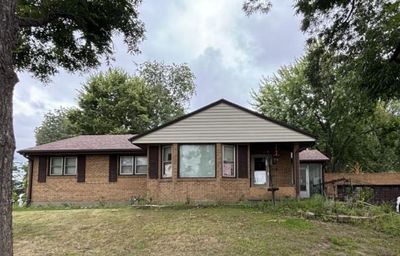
(223, 123)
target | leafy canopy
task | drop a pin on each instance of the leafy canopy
(73, 34)
(350, 127)
(363, 36)
(55, 126)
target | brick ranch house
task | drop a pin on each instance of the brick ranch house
(221, 152)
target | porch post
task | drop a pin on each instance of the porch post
(296, 168)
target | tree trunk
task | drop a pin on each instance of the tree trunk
(8, 79)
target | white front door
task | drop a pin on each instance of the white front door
(304, 181)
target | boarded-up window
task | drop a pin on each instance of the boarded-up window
(113, 168)
(243, 161)
(153, 162)
(81, 168)
(42, 169)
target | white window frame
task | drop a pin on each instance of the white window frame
(63, 166)
(51, 166)
(234, 160)
(163, 162)
(139, 173)
(120, 166)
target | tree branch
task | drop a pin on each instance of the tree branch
(26, 22)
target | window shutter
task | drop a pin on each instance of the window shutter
(81, 168)
(113, 164)
(42, 169)
(153, 162)
(243, 161)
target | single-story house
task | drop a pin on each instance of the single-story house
(221, 152)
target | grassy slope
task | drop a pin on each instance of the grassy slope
(199, 231)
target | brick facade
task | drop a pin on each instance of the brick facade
(97, 188)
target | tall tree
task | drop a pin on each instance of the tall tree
(55, 126)
(364, 36)
(41, 35)
(349, 126)
(115, 102)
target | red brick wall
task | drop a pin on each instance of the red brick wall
(219, 188)
(97, 188)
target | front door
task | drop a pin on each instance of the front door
(304, 181)
(310, 179)
(260, 170)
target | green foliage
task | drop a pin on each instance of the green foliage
(115, 102)
(364, 37)
(349, 126)
(383, 218)
(55, 126)
(73, 34)
(19, 181)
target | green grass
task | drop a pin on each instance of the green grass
(218, 230)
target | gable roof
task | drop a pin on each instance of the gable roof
(223, 121)
(312, 155)
(86, 143)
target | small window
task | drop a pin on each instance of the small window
(70, 166)
(228, 163)
(140, 165)
(126, 165)
(56, 166)
(166, 162)
(63, 166)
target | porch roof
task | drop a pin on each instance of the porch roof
(312, 155)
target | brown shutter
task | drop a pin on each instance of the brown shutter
(81, 168)
(42, 169)
(113, 164)
(153, 162)
(243, 161)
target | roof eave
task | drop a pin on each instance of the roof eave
(60, 151)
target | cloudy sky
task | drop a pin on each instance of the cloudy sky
(227, 51)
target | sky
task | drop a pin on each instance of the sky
(228, 52)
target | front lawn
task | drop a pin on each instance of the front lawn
(221, 230)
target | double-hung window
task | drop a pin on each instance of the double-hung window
(197, 161)
(228, 162)
(133, 165)
(141, 165)
(126, 165)
(166, 162)
(63, 166)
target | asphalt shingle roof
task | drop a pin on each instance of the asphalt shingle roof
(312, 155)
(87, 143)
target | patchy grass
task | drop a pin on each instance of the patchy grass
(219, 230)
